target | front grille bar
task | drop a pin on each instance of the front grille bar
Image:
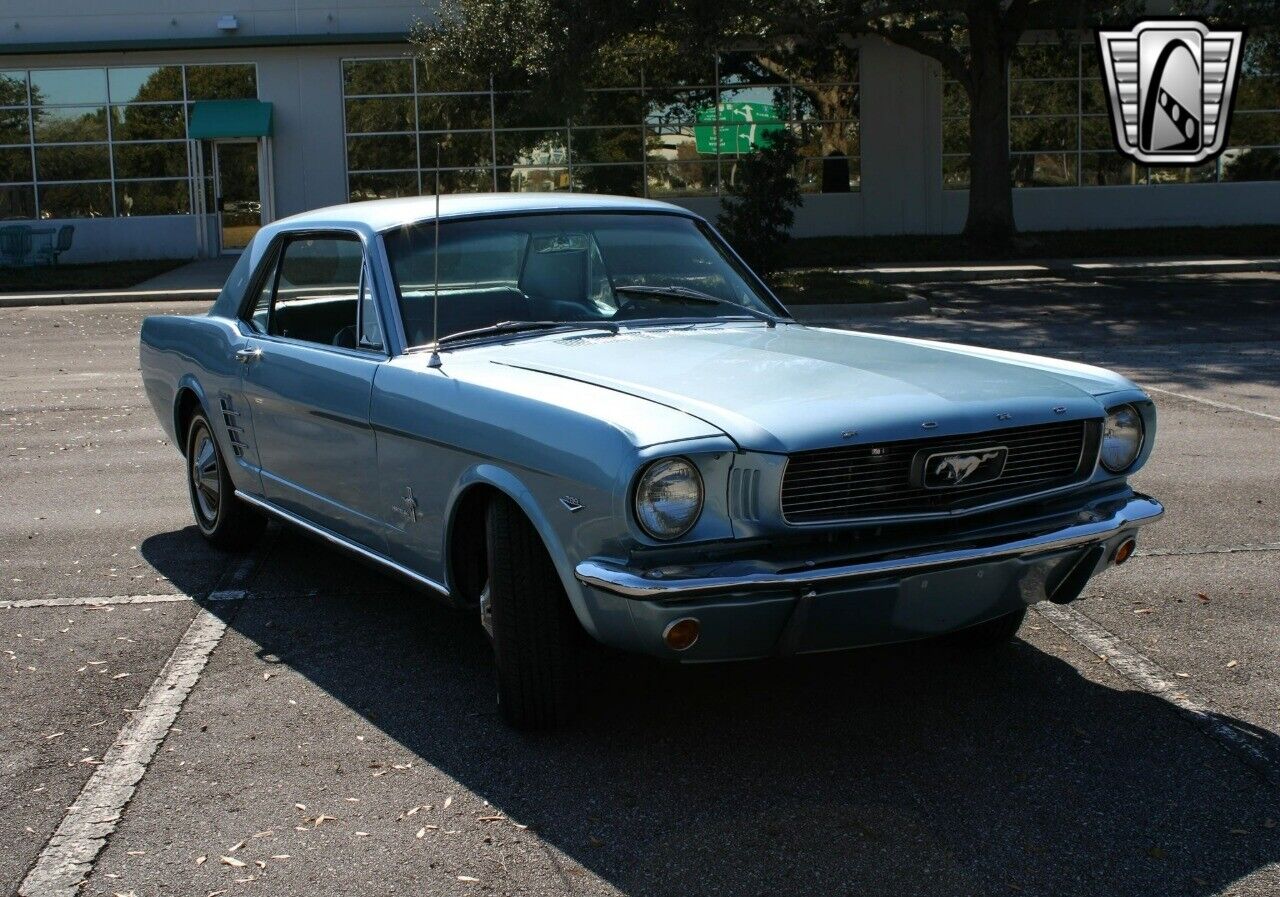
(856, 482)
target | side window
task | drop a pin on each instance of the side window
(317, 289)
(370, 330)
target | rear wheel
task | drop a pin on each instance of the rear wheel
(223, 519)
(537, 642)
(991, 634)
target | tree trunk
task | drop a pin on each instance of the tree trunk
(990, 225)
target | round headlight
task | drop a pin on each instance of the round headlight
(1121, 438)
(669, 498)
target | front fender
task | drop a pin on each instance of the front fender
(595, 615)
(188, 382)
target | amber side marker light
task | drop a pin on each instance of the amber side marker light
(1124, 551)
(681, 635)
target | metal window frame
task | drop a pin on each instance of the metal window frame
(193, 177)
(1142, 172)
(647, 124)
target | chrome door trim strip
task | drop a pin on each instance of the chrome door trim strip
(341, 541)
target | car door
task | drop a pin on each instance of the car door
(309, 365)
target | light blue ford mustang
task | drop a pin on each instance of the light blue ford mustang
(585, 418)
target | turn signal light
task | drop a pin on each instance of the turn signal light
(681, 635)
(1124, 551)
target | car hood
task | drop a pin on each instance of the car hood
(792, 387)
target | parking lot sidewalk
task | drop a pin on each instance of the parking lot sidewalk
(200, 279)
(1066, 269)
(203, 278)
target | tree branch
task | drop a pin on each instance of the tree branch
(952, 59)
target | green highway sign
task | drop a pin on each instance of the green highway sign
(743, 128)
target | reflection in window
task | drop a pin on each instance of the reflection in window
(222, 82)
(65, 87)
(146, 84)
(152, 198)
(683, 138)
(15, 164)
(93, 142)
(1060, 126)
(17, 202)
(75, 200)
(149, 122)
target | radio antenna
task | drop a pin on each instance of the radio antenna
(435, 361)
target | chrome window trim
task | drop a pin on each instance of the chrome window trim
(270, 266)
(366, 283)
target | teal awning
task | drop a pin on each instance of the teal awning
(229, 118)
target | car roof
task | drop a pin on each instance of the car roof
(385, 214)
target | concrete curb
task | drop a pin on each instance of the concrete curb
(28, 300)
(1066, 269)
(857, 311)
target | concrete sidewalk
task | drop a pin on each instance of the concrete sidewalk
(203, 278)
(1065, 269)
(200, 279)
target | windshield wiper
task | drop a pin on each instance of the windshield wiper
(504, 327)
(689, 296)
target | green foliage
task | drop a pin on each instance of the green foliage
(760, 206)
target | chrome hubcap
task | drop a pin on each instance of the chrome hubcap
(205, 483)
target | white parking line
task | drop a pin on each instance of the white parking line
(68, 857)
(95, 601)
(1207, 549)
(1149, 676)
(1226, 406)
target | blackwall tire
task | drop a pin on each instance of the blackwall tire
(537, 641)
(224, 520)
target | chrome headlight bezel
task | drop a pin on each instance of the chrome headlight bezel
(1139, 438)
(642, 505)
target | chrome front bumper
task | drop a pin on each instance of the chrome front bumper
(1109, 523)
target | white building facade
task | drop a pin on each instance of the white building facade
(174, 128)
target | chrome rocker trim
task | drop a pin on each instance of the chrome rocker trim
(618, 580)
(341, 541)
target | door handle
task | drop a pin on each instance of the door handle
(248, 356)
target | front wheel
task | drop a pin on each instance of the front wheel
(223, 519)
(537, 642)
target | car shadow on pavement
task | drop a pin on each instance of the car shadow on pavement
(1146, 324)
(908, 770)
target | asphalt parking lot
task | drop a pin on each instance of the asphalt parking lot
(341, 736)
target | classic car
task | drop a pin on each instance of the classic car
(584, 418)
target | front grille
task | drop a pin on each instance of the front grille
(856, 482)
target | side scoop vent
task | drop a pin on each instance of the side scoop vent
(744, 494)
(231, 417)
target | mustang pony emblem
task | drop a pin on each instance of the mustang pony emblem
(943, 470)
(955, 469)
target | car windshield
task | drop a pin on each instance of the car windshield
(563, 268)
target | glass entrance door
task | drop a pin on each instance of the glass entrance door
(237, 191)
